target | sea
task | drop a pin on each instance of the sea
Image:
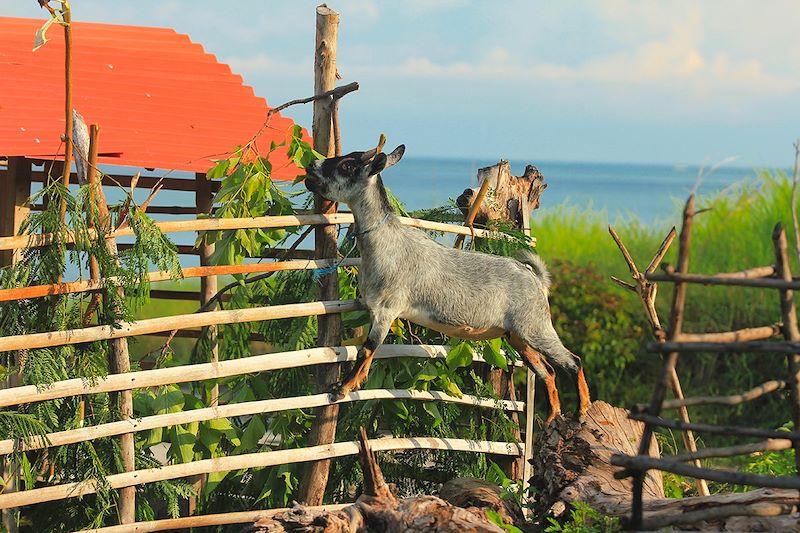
(614, 192)
(648, 193)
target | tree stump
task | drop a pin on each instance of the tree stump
(502, 199)
(572, 462)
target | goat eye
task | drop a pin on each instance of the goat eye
(348, 166)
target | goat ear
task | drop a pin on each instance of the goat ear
(396, 155)
(378, 164)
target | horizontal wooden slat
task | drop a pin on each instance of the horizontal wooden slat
(218, 519)
(641, 462)
(223, 224)
(192, 320)
(725, 347)
(71, 287)
(251, 460)
(204, 371)
(766, 283)
(242, 409)
(145, 182)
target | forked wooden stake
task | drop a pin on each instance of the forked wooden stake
(648, 291)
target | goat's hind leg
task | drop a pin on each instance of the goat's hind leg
(541, 368)
(381, 322)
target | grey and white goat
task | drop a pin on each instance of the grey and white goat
(463, 294)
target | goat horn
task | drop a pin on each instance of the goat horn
(369, 154)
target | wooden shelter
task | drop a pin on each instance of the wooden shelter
(164, 104)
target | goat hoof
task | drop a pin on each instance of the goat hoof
(337, 392)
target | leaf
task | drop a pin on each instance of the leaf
(493, 355)
(41, 35)
(252, 434)
(432, 410)
(169, 400)
(451, 388)
(459, 356)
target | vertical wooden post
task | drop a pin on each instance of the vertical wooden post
(668, 376)
(120, 358)
(208, 285)
(790, 328)
(315, 477)
(204, 197)
(530, 383)
(15, 189)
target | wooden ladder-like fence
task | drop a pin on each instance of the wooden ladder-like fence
(674, 342)
(129, 381)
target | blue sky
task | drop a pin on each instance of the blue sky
(618, 80)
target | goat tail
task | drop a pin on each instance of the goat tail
(537, 265)
(556, 352)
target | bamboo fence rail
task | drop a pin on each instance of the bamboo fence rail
(205, 371)
(251, 460)
(154, 325)
(223, 224)
(219, 519)
(127, 381)
(88, 285)
(241, 409)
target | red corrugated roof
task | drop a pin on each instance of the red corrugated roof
(161, 101)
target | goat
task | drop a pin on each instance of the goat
(464, 294)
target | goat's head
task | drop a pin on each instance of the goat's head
(341, 179)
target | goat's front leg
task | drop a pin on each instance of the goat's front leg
(381, 322)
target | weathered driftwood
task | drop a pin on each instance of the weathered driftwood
(505, 190)
(572, 461)
(378, 510)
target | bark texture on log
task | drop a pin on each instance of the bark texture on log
(505, 190)
(476, 495)
(769, 510)
(572, 461)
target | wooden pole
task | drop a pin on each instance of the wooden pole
(668, 376)
(208, 284)
(250, 460)
(15, 189)
(790, 329)
(120, 362)
(315, 476)
(208, 288)
(222, 224)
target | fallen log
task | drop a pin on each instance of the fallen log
(378, 510)
(572, 462)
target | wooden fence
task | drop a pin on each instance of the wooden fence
(674, 342)
(128, 381)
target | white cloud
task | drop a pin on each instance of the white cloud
(674, 60)
(264, 64)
